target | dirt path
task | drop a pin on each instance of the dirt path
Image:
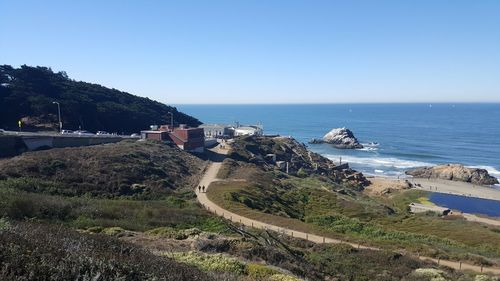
(211, 176)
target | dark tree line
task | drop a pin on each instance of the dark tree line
(28, 92)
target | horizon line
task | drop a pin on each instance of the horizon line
(345, 103)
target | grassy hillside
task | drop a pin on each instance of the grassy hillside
(130, 184)
(136, 218)
(320, 204)
(128, 168)
(30, 251)
(28, 92)
(115, 189)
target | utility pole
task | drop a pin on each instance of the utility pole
(58, 115)
(171, 121)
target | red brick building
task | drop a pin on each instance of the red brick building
(189, 139)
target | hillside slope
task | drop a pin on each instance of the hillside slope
(268, 152)
(27, 93)
(125, 168)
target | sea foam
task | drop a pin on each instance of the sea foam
(378, 162)
(491, 170)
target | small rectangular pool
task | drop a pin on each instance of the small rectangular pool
(466, 204)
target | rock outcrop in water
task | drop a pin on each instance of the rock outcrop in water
(340, 138)
(455, 172)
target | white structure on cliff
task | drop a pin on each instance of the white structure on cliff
(254, 130)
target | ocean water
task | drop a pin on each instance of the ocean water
(397, 137)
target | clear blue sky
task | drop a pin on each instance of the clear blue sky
(265, 51)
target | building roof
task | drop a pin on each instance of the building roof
(153, 132)
(214, 126)
(247, 128)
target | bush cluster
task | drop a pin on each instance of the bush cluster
(213, 262)
(30, 251)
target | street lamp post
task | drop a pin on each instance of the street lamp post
(58, 115)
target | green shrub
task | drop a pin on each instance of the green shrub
(161, 231)
(30, 251)
(179, 234)
(259, 271)
(82, 212)
(95, 229)
(351, 226)
(283, 277)
(113, 231)
(301, 173)
(4, 224)
(431, 274)
(213, 262)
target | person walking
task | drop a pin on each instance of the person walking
(203, 188)
(199, 188)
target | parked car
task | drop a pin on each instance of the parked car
(67, 132)
(102, 133)
(83, 133)
(135, 135)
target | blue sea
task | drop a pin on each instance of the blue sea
(397, 137)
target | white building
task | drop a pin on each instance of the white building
(256, 130)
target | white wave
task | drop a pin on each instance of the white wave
(379, 171)
(379, 162)
(371, 144)
(491, 170)
(367, 148)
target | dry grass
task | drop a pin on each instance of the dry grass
(326, 215)
(220, 194)
(31, 251)
(125, 168)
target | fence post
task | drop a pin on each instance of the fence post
(323, 240)
(359, 245)
(292, 233)
(460, 265)
(481, 268)
(307, 236)
(252, 224)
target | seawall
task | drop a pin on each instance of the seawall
(11, 145)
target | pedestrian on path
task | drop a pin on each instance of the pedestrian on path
(199, 188)
(203, 188)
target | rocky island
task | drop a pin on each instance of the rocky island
(455, 172)
(340, 138)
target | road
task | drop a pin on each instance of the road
(210, 176)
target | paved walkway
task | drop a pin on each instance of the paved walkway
(211, 176)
